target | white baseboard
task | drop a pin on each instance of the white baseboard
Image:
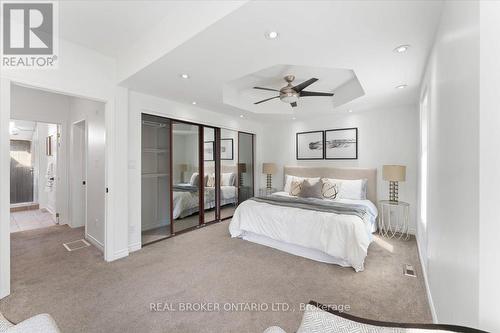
(94, 242)
(134, 247)
(427, 289)
(119, 254)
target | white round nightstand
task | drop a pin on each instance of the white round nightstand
(389, 226)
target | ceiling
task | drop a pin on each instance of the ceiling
(109, 27)
(357, 35)
(342, 82)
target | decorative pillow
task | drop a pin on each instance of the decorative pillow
(353, 189)
(227, 179)
(195, 179)
(311, 189)
(318, 320)
(330, 188)
(289, 179)
(211, 180)
(296, 187)
(4, 323)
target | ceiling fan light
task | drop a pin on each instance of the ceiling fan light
(289, 98)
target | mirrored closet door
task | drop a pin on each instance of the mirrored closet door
(191, 175)
(228, 172)
(155, 184)
(187, 180)
(210, 168)
(245, 166)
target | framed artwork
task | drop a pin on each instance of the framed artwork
(341, 144)
(226, 149)
(209, 151)
(309, 145)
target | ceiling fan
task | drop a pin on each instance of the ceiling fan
(291, 94)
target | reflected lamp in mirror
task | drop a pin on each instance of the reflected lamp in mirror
(394, 174)
(269, 169)
(182, 169)
(242, 168)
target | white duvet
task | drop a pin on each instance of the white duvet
(345, 237)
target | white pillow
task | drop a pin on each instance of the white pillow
(194, 179)
(289, 179)
(227, 179)
(352, 189)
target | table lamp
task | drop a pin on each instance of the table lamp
(394, 174)
(269, 169)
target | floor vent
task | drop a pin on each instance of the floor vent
(76, 245)
(408, 270)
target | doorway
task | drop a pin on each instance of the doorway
(34, 154)
(78, 174)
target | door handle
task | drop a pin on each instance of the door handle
(84, 182)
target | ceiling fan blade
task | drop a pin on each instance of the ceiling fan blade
(261, 88)
(265, 100)
(314, 93)
(294, 104)
(305, 84)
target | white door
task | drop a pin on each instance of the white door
(79, 175)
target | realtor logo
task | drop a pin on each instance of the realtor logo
(28, 34)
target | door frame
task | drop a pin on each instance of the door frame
(85, 169)
(217, 139)
(114, 248)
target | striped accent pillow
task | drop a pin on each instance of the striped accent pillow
(295, 187)
(211, 180)
(330, 189)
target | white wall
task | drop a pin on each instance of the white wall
(142, 103)
(387, 136)
(84, 73)
(93, 113)
(450, 243)
(47, 108)
(489, 237)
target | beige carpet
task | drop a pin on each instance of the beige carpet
(85, 294)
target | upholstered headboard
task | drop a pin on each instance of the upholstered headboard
(339, 173)
(224, 168)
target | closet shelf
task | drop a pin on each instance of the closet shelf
(154, 175)
(154, 150)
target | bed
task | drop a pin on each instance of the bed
(332, 231)
(187, 202)
(186, 196)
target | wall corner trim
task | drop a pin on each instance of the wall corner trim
(427, 288)
(118, 255)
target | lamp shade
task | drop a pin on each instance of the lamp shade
(242, 167)
(269, 168)
(395, 173)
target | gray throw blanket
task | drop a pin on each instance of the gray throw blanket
(314, 204)
(185, 188)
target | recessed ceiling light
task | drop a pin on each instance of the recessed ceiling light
(401, 86)
(185, 76)
(272, 34)
(401, 48)
(349, 111)
(293, 118)
(193, 102)
(241, 116)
